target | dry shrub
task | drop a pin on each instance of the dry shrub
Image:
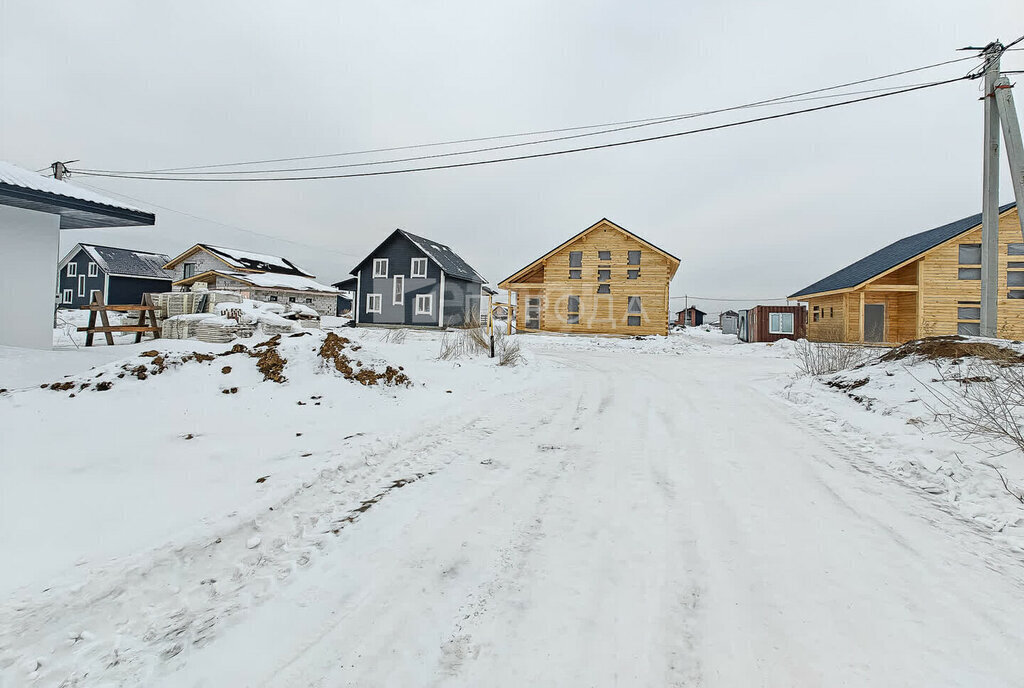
(396, 336)
(824, 358)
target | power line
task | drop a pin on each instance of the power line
(709, 298)
(641, 122)
(774, 101)
(535, 155)
(222, 224)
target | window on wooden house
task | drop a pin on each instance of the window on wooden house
(969, 254)
(604, 275)
(814, 314)
(1015, 278)
(575, 259)
(780, 323)
(575, 274)
(634, 311)
(1015, 266)
(1015, 249)
(1015, 294)
(968, 316)
(81, 285)
(93, 269)
(604, 289)
(398, 291)
(188, 270)
(72, 270)
(418, 268)
(380, 267)
(573, 311)
(68, 296)
(634, 257)
(831, 312)
(632, 274)
(604, 255)
(424, 304)
(373, 303)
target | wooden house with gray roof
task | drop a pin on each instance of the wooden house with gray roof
(923, 285)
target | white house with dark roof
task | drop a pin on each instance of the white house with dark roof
(120, 275)
(257, 276)
(33, 211)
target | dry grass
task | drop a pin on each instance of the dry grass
(823, 358)
(396, 336)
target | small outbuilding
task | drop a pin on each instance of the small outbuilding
(33, 211)
(690, 317)
(729, 322)
(121, 275)
(772, 323)
(346, 298)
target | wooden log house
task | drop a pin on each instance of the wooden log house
(924, 285)
(604, 280)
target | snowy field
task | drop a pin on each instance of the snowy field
(664, 511)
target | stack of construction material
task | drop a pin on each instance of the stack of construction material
(303, 314)
(176, 303)
(182, 326)
(214, 298)
(216, 330)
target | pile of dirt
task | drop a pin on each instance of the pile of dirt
(333, 352)
(954, 347)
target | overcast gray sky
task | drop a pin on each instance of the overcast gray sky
(759, 211)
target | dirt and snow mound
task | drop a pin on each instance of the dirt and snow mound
(955, 347)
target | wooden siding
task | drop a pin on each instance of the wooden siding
(600, 313)
(831, 323)
(927, 307)
(943, 290)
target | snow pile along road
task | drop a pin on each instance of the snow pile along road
(895, 412)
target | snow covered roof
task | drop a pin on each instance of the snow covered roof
(124, 262)
(892, 255)
(79, 208)
(256, 261)
(265, 280)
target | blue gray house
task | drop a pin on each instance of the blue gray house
(121, 275)
(413, 281)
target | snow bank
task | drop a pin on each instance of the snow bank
(887, 413)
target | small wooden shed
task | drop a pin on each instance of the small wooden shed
(729, 322)
(690, 317)
(772, 323)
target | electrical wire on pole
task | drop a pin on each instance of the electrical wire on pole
(620, 126)
(532, 156)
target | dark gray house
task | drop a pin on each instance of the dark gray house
(120, 274)
(410, 280)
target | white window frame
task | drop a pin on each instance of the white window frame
(72, 270)
(413, 272)
(380, 267)
(398, 292)
(422, 309)
(371, 300)
(81, 285)
(93, 270)
(780, 328)
(68, 296)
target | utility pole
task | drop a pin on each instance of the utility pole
(990, 197)
(59, 170)
(1012, 138)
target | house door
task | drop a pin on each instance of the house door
(874, 322)
(533, 314)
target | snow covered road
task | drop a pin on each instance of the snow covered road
(652, 520)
